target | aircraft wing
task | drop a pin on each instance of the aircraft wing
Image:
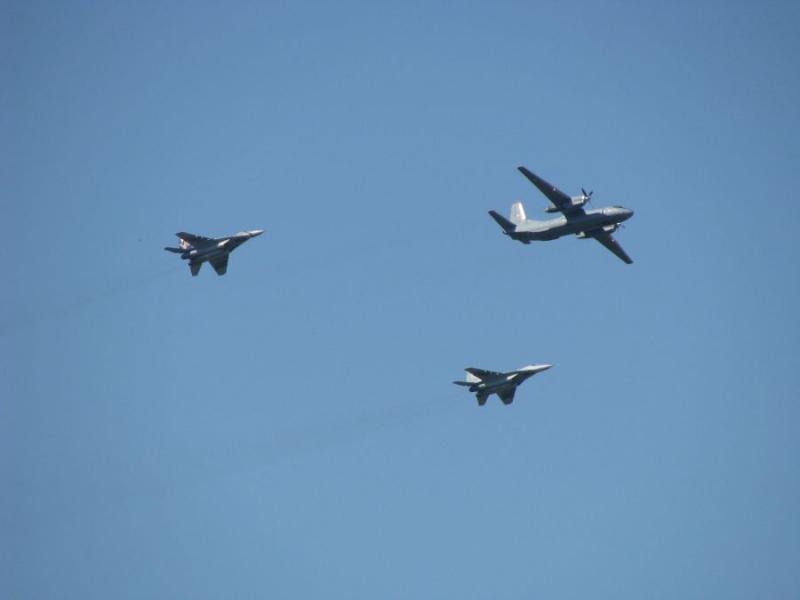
(559, 199)
(220, 264)
(609, 242)
(507, 396)
(194, 240)
(195, 267)
(482, 373)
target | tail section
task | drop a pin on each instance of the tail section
(471, 378)
(507, 225)
(518, 213)
(175, 250)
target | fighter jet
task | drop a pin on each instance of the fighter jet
(485, 383)
(598, 223)
(198, 249)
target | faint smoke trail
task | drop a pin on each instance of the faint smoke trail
(292, 445)
(289, 446)
(242, 466)
(68, 308)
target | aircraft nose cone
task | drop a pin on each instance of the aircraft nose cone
(628, 213)
(256, 232)
(544, 367)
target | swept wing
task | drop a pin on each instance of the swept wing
(482, 373)
(559, 199)
(195, 240)
(609, 242)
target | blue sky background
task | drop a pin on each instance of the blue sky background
(290, 430)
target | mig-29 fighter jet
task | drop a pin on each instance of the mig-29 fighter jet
(597, 223)
(198, 249)
(485, 383)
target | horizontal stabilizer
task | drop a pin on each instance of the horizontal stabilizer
(175, 250)
(464, 383)
(507, 225)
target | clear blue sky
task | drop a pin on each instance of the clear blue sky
(290, 430)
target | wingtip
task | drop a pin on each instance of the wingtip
(528, 174)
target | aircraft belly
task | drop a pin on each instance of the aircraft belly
(570, 227)
(551, 234)
(542, 235)
(587, 223)
(493, 388)
(211, 254)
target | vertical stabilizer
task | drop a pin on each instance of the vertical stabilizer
(517, 213)
(470, 378)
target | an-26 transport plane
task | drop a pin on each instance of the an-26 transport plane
(597, 223)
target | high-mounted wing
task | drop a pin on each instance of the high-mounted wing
(559, 199)
(195, 240)
(507, 396)
(609, 242)
(482, 373)
(220, 264)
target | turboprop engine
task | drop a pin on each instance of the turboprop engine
(575, 202)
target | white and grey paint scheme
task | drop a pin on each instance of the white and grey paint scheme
(198, 249)
(598, 223)
(485, 383)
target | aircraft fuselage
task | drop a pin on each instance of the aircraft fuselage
(498, 384)
(199, 249)
(607, 218)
